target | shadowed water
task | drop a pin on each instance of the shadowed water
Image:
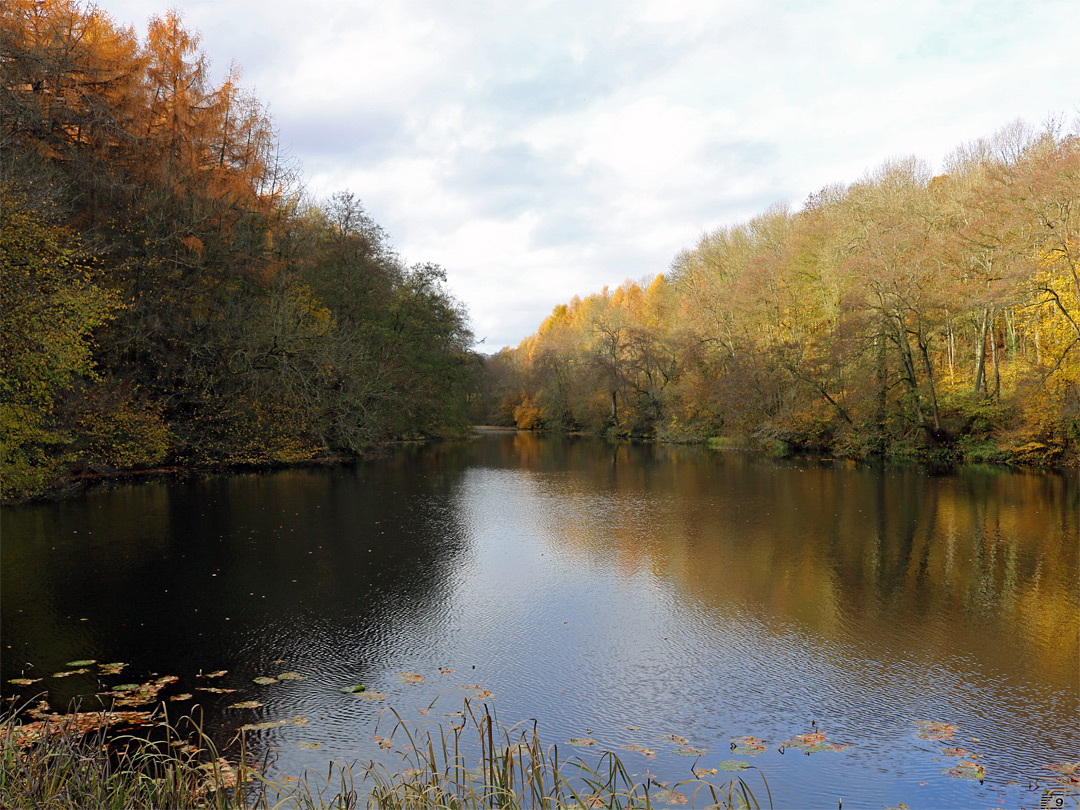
(594, 587)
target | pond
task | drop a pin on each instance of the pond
(623, 593)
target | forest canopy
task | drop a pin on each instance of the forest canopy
(904, 314)
(171, 296)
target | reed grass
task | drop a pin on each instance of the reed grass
(469, 766)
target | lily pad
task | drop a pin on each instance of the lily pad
(355, 689)
(747, 746)
(82, 662)
(263, 680)
(125, 687)
(23, 681)
(701, 773)
(691, 751)
(966, 770)
(310, 746)
(582, 742)
(648, 753)
(933, 730)
(812, 743)
(479, 692)
(297, 720)
(411, 677)
(215, 674)
(956, 752)
(184, 696)
(674, 738)
(71, 672)
(112, 669)
(668, 796)
(1064, 768)
(246, 704)
(217, 690)
(733, 765)
(369, 695)
(291, 676)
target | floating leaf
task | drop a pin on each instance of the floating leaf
(310, 746)
(445, 671)
(72, 672)
(246, 704)
(582, 742)
(383, 742)
(640, 749)
(666, 796)
(75, 723)
(82, 662)
(733, 765)
(956, 752)
(701, 773)
(632, 728)
(479, 692)
(216, 674)
(263, 680)
(966, 770)
(747, 746)
(932, 730)
(355, 689)
(112, 669)
(291, 676)
(411, 677)
(125, 687)
(674, 738)
(185, 696)
(23, 681)
(371, 696)
(691, 751)
(297, 720)
(1064, 768)
(812, 743)
(217, 690)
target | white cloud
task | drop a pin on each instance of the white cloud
(543, 149)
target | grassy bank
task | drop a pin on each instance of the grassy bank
(80, 760)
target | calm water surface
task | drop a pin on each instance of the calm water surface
(593, 587)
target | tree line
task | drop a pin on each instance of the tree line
(905, 313)
(170, 293)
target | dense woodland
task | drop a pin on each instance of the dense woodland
(170, 294)
(905, 314)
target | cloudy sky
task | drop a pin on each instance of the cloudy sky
(538, 150)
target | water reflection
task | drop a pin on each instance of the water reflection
(592, 586)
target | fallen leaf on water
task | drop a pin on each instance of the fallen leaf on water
(23, 681)
(77, 723)
(72, 672)
(355, 689)
(648, 753)
(263, 680)
(812, 743)
(480, 693)
(310, 746)
(932, 730)
(246, 704)
(82, 662)
(185, 696)
(733, 765)
(1064, 768)
(666, 796)
(217, 690)
(411, 677)
(582, 742)
(747, 746)
(632, 728)
(445, 671)
(691, 751)
(297, 720)
(383, 742)
(125, 687)
(956, 752)
(966, 770)
(423, 712)
(112, 669)
(291, 676)
(371, 696)
(216, 674)
(674, 738)
(701, 773)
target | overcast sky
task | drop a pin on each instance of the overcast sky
(539, 150)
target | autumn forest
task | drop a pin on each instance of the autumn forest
(172, 297)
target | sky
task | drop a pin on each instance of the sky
(541, 150)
